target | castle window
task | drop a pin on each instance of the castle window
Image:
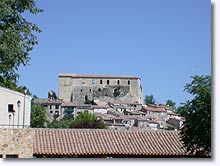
(107, 82)
(93, 81)
(118, 82)
(56, 106)
(81, 90)
(90, 90)
(83, 81)
(129, 82)
(99, 90)
(100, 81)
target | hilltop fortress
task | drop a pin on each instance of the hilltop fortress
(79, 88)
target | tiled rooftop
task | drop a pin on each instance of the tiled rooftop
(154, 109)
(96, 142)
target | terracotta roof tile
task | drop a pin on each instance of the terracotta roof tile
(107, 142)
(154, 109)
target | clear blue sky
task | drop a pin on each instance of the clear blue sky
(164, 42)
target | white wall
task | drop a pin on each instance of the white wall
(8, 96)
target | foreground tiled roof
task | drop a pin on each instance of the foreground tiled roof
(81, 142)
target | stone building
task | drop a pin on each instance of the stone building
(16, 143)
(78, 88)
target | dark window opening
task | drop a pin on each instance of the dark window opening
(90, 90)
(81, 90)
(129, 82)
(99, 90)
(50, 106)
(57, 106)
(118, 82)
(86, 97)
(1, 156)
(100, 81)
(11, 156)
(107, 82)
(11, 108)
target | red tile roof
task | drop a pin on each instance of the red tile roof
(97, 142)
(154, 109)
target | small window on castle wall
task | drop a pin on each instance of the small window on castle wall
(100, 81)
(99, 90)
(81, 90)
(118, 82)
(107, 82)
(129, 82)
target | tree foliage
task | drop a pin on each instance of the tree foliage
(16, 38)
(63, 123)
(87, 120)
(170, 103)
(196, 131)
(149, 99)
(38, 115)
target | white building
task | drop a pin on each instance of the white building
(15, 109)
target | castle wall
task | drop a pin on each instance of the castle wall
(109, 89)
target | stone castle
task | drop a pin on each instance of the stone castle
(78, 88)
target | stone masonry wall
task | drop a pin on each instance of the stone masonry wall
(16, 142)
(119, 89)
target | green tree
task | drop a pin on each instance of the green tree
(87, 120)
(196, 131)
(38, 115)
(16, 38)
(62, 123)
(170, 103)
(149, 99)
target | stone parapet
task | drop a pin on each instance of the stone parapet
(16, 143)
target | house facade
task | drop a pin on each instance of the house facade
(15, 109)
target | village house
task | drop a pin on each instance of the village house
(93, 143)
(15, 108)
(176, 121)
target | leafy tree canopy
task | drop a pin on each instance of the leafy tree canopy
(63, 123)
(196, 131)
(87, 120)
(149, 99)
(38, 115)
(170, 103)
(16, 38)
